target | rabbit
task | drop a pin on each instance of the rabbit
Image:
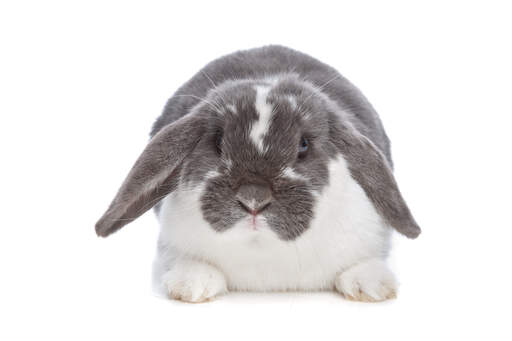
(269, 171)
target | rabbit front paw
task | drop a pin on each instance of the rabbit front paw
(370, 281)
(194, 282)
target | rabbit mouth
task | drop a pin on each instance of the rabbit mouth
(255, 222)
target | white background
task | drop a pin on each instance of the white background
(81, 84)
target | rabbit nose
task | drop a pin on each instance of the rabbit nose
(254, 198)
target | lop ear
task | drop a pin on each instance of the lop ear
(154, 174)
(369, 167)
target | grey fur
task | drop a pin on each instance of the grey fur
(154, 175)
(219, 100)
(254, 197)
(270, 60)
(369, 168)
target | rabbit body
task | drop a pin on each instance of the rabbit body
(269, 172)
(345, 249)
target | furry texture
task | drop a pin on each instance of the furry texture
(257, 260)
(275, 174)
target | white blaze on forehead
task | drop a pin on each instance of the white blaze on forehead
(264, 109)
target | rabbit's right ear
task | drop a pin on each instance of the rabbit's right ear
(155, 173)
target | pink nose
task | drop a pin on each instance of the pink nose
(254, 212)
(254, 198)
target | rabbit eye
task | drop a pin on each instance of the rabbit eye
(218, 142)
(303, 147)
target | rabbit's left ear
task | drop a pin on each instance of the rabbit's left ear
(154, 175)
(369, 167)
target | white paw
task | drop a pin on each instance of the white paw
(370, 281)
(192, 281)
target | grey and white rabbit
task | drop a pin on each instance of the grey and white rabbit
(271, 172)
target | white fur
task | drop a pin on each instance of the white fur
(260, 127)
(193, 281)
(232, 108)
(368, 281)
(212, 174)
(293, 101)
(228, 163)
(345, 231)
(290, 173)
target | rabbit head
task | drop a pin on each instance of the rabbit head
(258, 149)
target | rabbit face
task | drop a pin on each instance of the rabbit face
(264, 156)
(259, 151)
